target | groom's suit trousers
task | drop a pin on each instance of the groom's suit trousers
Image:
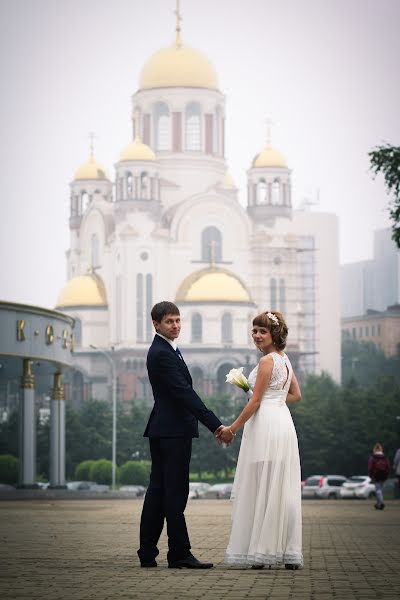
(166, 498)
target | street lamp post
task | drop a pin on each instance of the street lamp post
(114, 414)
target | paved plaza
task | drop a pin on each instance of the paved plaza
(81, 549)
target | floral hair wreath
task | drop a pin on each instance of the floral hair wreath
(273, 317)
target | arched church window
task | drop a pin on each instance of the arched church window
(197, 328)
(276, 192)
(78, 332)
(211, 244)
(94, 247)
(144, 185)
(162, 120)
(262, 188)
(84, 201)
(273, 291)
(226, 328)
(282, 296)
(129, 184)
(193, 127)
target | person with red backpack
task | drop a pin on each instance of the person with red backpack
(378, 470)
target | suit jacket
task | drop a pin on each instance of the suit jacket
(177, 407)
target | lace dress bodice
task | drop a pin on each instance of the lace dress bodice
(281, 375)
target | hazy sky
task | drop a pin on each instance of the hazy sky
(325, 71)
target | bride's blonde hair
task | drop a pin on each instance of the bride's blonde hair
(276, 326)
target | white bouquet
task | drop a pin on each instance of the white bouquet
(236, 377)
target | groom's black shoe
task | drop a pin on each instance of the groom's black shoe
(148, 565)
(190, 562)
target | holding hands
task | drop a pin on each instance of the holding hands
(225, 434)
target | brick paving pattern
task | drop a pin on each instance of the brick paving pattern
(86, 549)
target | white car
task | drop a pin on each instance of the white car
(323, 486)
(87, 486)
(358, 486)
(197, 489)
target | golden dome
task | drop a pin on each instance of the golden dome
(84, 290)
(178, 66)
(212, 285)
(136, 150)
(91, 170)
(269, 158)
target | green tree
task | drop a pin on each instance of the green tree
(131, 424)
(386, 159)
(207, 455)
(82, 471)
(135, 472)
(365, 363)
(8, 469)
(9, 434)
(101, 471)
(318, 418)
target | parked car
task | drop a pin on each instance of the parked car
(136, 490)
(219, 490)
(358, 486)
(323, 486)
(198, 489)
(42, 485)
(89, 486)
(6, 486)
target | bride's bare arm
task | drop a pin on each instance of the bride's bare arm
(294, 393)
(264, 372)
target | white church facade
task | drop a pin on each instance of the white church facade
(169, 226)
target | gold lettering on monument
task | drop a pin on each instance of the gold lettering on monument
(49, 335)
(72, 342)
(65, 338)
(20, 330)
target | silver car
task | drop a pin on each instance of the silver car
(323, 486)
(358, 486)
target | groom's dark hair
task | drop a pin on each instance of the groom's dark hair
(161, 309)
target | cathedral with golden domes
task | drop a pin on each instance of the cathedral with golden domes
(169, 226)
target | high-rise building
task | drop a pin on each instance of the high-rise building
(372, 284)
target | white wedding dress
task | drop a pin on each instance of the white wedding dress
(266, 518)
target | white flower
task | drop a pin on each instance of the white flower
(236, 377)
(273, 318)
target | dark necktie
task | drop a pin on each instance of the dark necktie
(179, 353)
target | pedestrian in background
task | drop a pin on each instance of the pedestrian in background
(378, 470)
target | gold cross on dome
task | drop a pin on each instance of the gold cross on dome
(92, 137)
(178, 23)
(269, 122)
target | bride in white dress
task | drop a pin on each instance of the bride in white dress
(266, 518)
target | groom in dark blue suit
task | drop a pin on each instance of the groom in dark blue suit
(172, 425)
